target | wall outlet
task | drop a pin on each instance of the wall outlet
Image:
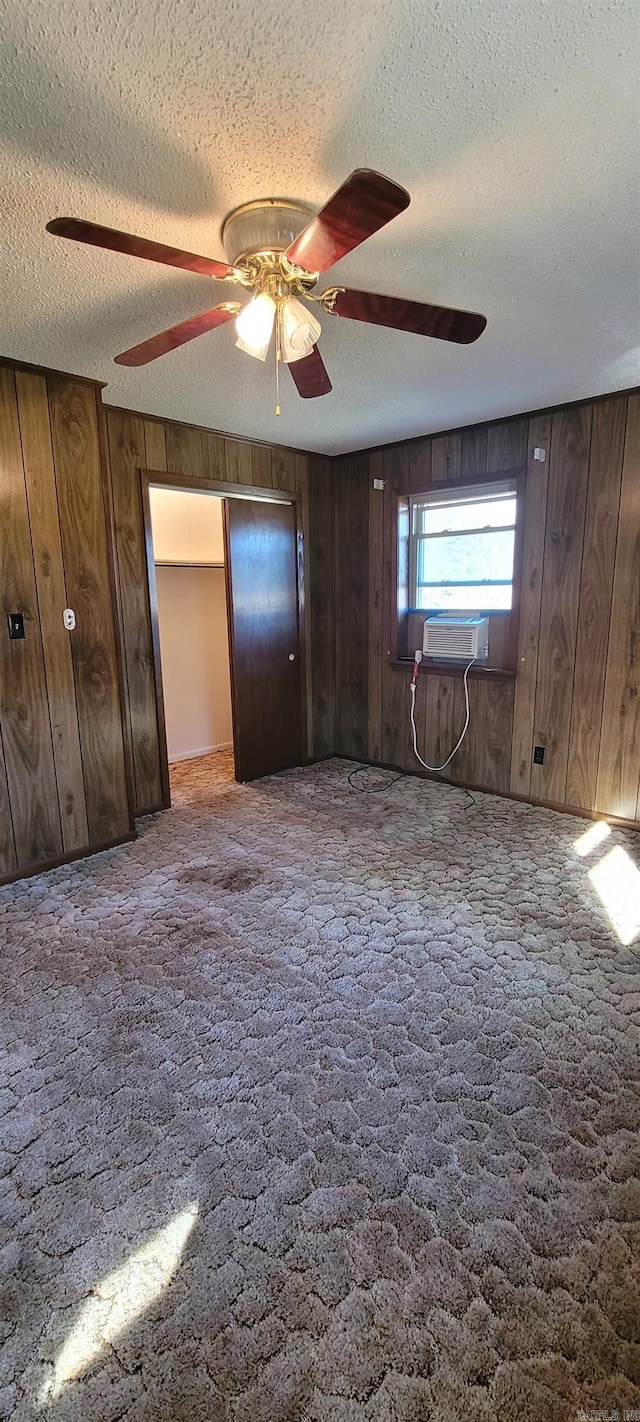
(538, 755)
(378, 483)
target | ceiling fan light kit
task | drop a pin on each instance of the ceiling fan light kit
(299, 330)
(255, 324)
(278, 250)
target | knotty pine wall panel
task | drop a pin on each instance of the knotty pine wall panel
(576, 690)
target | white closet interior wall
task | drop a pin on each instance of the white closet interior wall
(192, 616)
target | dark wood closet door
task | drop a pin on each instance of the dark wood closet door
(264, 644)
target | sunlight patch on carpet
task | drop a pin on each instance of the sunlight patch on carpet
(617, 881)
(120, 1298)
(591, 838)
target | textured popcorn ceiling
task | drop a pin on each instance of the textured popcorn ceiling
(515, 128)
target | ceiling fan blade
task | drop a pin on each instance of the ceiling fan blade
(310, 375)
(96, 236)
(179, 335)
(439, 321)
(364, 203)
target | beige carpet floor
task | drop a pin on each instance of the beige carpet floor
(322, 1106)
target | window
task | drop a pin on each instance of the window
(461, 549)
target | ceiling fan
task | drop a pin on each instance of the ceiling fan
(278, 250)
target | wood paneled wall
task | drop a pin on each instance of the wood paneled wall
(577, 686)
(63, 783)
(137, 442)
(68, 715)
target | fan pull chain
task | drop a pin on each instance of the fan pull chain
(278, 359)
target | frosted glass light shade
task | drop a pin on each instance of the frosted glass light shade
(255, 326)
(299, 330)
(268, 225)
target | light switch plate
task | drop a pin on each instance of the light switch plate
(16, 626)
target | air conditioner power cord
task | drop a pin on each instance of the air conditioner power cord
(412, 713)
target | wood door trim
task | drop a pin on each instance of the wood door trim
(228, 595)
(219, 486)
(225, 490)
(302, 575)
(466, 481)
(116, 601)
(155, 641)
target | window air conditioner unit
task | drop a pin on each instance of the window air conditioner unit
(456, 638)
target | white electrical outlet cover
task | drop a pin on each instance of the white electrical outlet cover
(69, 618)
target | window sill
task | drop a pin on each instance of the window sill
(454, 669)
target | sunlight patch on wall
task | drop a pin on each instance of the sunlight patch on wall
(120, 1298)
(591, 838)
(617, 881)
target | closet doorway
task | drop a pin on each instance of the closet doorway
(225, 597)
(188, 551)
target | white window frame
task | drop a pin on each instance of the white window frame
(454, 495)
